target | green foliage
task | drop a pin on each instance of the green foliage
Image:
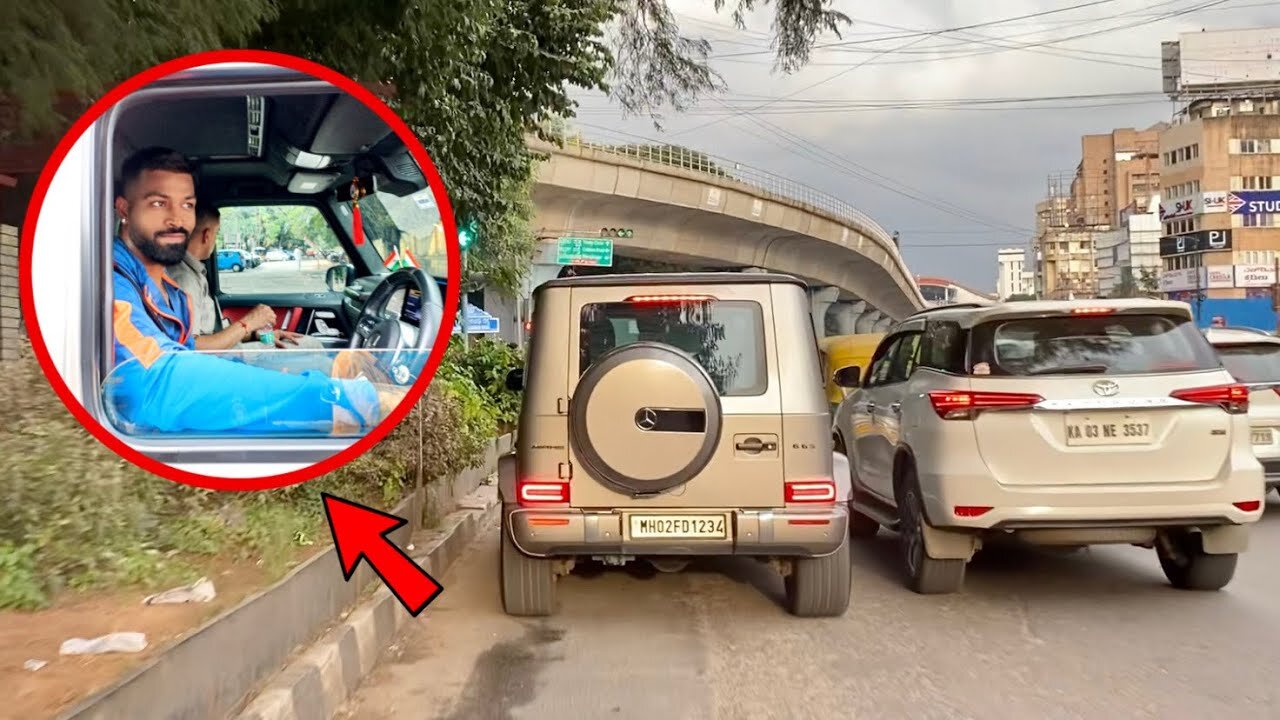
(485, 366)
(472, 77)
(74, 516)
(19, 585)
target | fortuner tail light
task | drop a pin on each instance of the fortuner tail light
(965, 404)
(1233, 398)
(542, 492)
(1092, 311)
(822, 490)
(1248, 505)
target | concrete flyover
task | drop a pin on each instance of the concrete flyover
(691, 208)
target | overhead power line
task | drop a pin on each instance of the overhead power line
(918, 38)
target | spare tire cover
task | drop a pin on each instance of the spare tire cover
(645, 418)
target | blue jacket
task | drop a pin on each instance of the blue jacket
(160, 385)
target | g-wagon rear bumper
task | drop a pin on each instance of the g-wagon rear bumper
(551, 532)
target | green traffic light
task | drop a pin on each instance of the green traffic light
(464, 238)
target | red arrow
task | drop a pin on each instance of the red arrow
(361, 532)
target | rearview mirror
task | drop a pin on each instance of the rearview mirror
(338, 277)
(849, 377)
(515, 380)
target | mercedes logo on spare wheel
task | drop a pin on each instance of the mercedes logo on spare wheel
(645, 418)
(1106, 388)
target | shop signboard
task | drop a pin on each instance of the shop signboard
(1252, 276)
(1195, 242)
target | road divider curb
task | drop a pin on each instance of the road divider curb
(323, 631)
(316, 684)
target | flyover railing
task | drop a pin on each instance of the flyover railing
(762, 180)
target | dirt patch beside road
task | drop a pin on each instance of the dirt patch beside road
(68, 679)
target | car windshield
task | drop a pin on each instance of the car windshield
(1111, 344)
(405, 230)
(1258, 362)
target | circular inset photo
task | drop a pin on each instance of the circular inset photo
(240, 270)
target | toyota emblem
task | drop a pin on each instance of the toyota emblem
(1106, 388)
(646, 418)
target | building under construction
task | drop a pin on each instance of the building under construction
(1117, 170)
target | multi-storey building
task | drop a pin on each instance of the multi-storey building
(1013, 277)
(1221, 213)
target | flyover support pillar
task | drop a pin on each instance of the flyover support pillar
(868, 321)
(819, 300)
(842, 317)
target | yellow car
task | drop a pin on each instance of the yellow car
(841, 351)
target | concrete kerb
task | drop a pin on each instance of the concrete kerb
(213, 671)
(316, 684)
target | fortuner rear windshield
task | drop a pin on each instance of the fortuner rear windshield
(1114, 344)
(1255, 362)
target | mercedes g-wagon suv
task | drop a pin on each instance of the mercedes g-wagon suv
(671, 416)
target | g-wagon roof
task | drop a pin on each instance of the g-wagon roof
(691, 278)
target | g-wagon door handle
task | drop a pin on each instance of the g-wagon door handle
(754, 445)
(895, 408)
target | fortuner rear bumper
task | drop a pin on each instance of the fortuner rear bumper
(978, 503)
(807, 532)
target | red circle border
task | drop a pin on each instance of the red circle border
(140, 81)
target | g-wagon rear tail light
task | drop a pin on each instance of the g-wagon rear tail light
(1233, 398)
(965, 404)
(669, 299)
(541, 492)
(821, 490)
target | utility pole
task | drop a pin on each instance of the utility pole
(462, 300)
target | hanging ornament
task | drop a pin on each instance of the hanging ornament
(357, 225)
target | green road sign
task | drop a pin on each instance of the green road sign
(585, 251)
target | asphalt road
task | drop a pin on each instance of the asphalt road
(280, 276)
(1096, 634)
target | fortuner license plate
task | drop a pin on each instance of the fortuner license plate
(1125, 429)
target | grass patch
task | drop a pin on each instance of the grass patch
(76, 517)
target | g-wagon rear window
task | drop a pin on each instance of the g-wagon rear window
(726, 337)
(1112, 344)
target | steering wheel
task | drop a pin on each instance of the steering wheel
(374, 330)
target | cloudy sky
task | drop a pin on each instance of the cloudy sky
(957, 181)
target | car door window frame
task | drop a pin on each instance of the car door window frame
(884, 353)
(901, 364)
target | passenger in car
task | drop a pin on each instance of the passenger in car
(206, 315)
(158, 382)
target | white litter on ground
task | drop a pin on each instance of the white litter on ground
(33, 665)
(129, 642)
(198, 591)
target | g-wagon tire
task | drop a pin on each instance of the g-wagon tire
(237, 268)
(528, 584)
(925, 575)
(1189, 567)
(820, 587)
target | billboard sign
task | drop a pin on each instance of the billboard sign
(1218, 276)
(1222, 57)
(1175, 280)
(1177, 209)
(1252, 276)
(1254, 202)
(1214, 202)
(1195, 242)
